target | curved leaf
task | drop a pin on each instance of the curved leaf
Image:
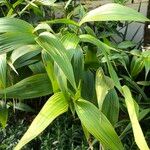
(31, 87)
(111, 106)
(137, 131)
(25, 52)
(56, 50)
(103, 85)
(16, 32)
(97, 124)
(113, 12)
(55, 106)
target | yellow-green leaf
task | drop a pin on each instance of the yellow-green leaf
(55, 106)
(103, 85)
(113, 12)
(97, 124)
(137, 131)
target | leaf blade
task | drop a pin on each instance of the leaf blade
(137, 131)
(113, 12)
(97, 124)
(55, 106)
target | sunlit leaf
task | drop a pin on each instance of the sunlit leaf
(103, 85)
(31, 87)
(137, 65)
(137, 131)
(113, 12)
(111, 106)
(16, 33)
(25, 52)
(104, 49)
(55, 106)
(142, 114)
(97, 124)
(56, 50)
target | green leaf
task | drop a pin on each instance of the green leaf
(137, 131)
(126, 44)
(70, 41)
(61, 80)
(3, 67)
(13, 25)
(111, 106)
(16, 33)
(37, 68)
(49, 66)
(97, 124)
(3, 114)
(144, 83)
(31, 87)
(55, 106)
(67, 4)
(58, 53)
(104, 49)
(88, 85)
(23, 107)
(63, 21)
(142, 114)
(103, 85)
(135, 86)
(46, 2)
(146, 55)
(43, 26)
(25, 52)
(78, 64)
(113, 12)
(137, 65)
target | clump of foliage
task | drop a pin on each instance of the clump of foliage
(81, 72)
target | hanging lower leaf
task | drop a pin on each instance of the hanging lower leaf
(13, 25)
(24, 53)
(113, 12)
(103, 85)
(98, 125)
(137, 131)
(31, 87)
(23, 107)
(56, 50)
(55, 106)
